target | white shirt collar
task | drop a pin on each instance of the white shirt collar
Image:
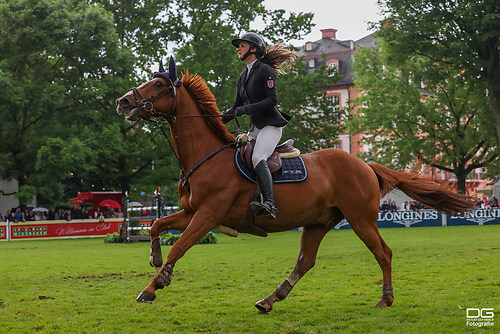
(249, 66)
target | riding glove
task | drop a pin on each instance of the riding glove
(242, 110)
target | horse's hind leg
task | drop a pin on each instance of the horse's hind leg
(177, 221)
(309, 244)
(366, 230)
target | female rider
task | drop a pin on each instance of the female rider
(256, 96)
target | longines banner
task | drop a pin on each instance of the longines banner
(432, 218)
(477, 217)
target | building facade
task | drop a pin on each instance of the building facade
(339, 54)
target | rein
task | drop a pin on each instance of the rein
(185, 177)
(147, 105)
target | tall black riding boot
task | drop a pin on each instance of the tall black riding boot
(265, 180)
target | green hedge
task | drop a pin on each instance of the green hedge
(165, 239)
(112, 237)
(170, 239)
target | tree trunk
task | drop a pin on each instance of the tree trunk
(461, 175)
(493, 81)
(495, 108)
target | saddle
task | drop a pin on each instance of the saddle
(283, 151)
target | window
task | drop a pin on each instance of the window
(309, 46)
(310, 63)
(333, 64)
(334, 116)
(337, 145)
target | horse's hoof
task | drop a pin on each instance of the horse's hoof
(145, 297)
(385, 301)
(261, 305)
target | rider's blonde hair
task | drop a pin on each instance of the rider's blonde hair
(275, 55)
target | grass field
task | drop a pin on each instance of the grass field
(87, 286)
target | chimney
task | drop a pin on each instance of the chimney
(328, 33)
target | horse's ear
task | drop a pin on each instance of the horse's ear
(172, 72)
(160, 68)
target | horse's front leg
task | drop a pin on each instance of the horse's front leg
(177, 221)
(202, 222)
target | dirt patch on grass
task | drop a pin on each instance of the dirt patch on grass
(106, 276)
(45, 297)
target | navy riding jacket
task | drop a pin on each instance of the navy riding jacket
(258, 94)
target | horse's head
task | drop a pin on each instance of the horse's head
(149, 99)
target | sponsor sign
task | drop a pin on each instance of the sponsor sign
(403, 219)
(477, 217)
(409, 218)
(51, 229)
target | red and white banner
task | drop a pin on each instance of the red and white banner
(59, 229)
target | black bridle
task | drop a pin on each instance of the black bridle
(146, 104)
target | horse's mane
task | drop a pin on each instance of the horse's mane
(203, 97)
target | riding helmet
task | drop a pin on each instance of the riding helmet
(254, 39)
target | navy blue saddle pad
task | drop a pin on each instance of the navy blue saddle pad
(292, 170)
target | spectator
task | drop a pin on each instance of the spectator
(18, 214)
(487, 203)
(406, 206)
(479, 203)
(384, 207)
(494, 202)
(84, 213)
(393, 207)
(27, 215)
(11, 217)
(59, 214)
(76, 213)
(1, 217)
(67, 215)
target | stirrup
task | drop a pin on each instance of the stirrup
(267, 208)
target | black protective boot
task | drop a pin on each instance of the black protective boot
(265, 180)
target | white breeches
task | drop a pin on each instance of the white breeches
(266, 140)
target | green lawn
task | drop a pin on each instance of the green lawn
(87, 286)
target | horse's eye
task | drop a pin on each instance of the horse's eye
(158, 84)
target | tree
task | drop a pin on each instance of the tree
(303, 96)
(141, 28)
(203, 42)
(60, 60)
(414, 110)
(464, 34)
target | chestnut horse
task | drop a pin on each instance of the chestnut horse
(339, 186)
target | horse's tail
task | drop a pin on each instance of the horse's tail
(423, 190)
